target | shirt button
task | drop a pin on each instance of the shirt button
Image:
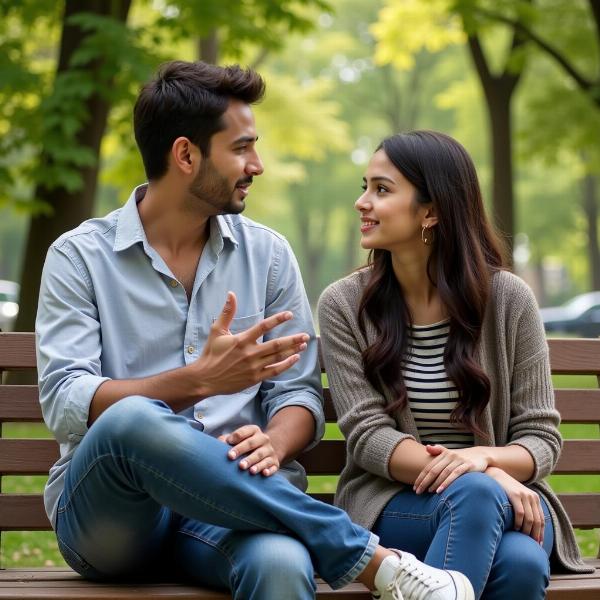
(173, 283)
(190, 349)
(199, 415)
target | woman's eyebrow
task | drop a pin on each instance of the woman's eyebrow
(379, 178)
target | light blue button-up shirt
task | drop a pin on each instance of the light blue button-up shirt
(110, 308)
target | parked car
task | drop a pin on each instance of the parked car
(580, 316)
(9, 304)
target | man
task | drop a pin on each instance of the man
(177, 417)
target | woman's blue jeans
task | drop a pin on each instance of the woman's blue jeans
(469, 527)
(148, 496)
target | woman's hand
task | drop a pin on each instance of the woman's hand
(448, 465)
(527, 506)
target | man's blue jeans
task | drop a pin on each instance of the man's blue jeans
(469, 528)
(148, 496)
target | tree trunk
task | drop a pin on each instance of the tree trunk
(208, 48)
(69, 209)
(498, 91)
(501, 144)
(590, 207)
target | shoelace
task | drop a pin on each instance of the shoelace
(414, 582)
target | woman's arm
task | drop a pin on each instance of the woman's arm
(371, 433)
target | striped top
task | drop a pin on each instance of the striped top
(431, 395)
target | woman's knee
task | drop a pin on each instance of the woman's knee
(521, 568)
(476, 489)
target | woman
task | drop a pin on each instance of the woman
(439, 372)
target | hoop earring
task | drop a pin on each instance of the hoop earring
(427, 236)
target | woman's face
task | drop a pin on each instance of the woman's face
(391, 218)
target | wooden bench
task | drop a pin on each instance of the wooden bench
(19, 512)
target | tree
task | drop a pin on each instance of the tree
(100, 60)
(434, 26)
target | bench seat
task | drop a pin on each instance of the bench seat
(22, 512)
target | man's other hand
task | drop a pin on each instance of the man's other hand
(255, 446)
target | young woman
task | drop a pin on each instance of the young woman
(439, 372)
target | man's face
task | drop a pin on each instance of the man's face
(225, 175)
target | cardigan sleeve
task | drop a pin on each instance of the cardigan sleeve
(534, 419)
(371, 433)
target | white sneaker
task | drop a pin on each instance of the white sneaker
(406, 578)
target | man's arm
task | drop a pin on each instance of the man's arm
(73, 390)
(229, 363)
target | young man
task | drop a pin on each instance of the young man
(179, 419)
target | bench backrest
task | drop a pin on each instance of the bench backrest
(22, 457)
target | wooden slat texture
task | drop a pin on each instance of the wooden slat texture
(17, 351)
(327, 458)
(579, 457)
(62, 583)
(578, 406)
(22, 512)
(20, 403)
(575, 356)
(583, 509)
(27, 457)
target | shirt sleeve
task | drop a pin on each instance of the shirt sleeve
(300, 385)
(371, 433)
(67, 344)
(534, 419)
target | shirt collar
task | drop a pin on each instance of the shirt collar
(129, 225)
(223, 224)
(130, 230)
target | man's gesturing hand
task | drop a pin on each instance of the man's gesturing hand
(256, 445)
(230, 363)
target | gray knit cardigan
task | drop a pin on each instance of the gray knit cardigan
(514, 354)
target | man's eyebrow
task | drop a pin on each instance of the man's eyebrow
(246, 139)
(379, 178)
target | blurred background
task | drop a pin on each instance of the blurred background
(517, 82)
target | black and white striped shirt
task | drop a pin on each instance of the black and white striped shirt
(431, 395)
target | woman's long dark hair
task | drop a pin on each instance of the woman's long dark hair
(465, 253)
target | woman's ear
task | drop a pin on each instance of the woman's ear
(430, 218)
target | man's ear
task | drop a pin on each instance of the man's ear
(185, 156)
(430, 218)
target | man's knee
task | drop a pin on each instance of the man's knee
(275, 566)
(130, 416)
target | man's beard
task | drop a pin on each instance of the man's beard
(211, 188)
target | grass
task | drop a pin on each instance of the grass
(38, 548)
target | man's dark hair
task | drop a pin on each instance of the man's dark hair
(187, 99)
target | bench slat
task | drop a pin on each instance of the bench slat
(25, 512)
(575, 356)
(20, 403)
(17, 351)
(27, 457)
(578, 406)
(579, 457)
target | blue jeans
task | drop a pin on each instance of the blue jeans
(469, 528)
(147, 496)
